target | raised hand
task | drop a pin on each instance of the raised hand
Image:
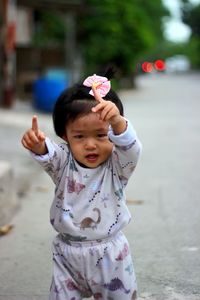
(34, 139)
(109, 112)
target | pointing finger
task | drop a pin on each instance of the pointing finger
(35, 125)
(96, 93)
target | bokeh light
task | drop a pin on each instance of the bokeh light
(147, 67)
(159, 65)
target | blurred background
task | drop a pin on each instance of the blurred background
(46, 45)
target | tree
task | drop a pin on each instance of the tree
(49, 28)
(118, 32)
(191, 17)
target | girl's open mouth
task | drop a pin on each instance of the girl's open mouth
(92, 157)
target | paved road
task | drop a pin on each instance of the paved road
(164, 232)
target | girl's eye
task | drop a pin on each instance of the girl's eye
(102, 135)
(78, 136)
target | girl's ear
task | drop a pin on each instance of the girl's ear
(64, 137)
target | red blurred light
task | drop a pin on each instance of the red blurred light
(147, 67)
(159, 65)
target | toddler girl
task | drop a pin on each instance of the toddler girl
(90, 169)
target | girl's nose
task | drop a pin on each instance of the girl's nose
(90, 144)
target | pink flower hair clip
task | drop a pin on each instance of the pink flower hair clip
(101, 83)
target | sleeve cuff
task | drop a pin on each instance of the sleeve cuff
(125, 138)
(46, 156)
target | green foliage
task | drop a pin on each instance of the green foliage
(109, 32)
(50, 29)
(191, 17)
(118, 32)
(193, 50)
(167, 49)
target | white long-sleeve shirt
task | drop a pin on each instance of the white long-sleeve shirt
(90, 204)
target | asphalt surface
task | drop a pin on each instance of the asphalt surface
(163, 195)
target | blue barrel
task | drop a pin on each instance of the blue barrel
(46, 92)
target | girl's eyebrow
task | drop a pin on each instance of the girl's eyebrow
(102, 129)
(79, 130)
(76, 131)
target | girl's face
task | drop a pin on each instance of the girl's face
(88, 140)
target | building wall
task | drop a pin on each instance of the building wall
(7, 52)
(24, 26)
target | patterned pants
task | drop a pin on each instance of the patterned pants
(102, 269)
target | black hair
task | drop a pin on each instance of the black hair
(76, 101)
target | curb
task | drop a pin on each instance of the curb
(8, 199)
